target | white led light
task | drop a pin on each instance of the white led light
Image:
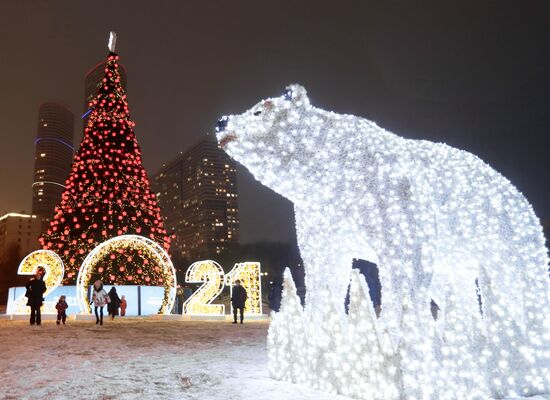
(439, 223)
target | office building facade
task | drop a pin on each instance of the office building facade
(197, 193)
(21, 231)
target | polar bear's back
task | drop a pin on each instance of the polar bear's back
(464, 192)
(470, 198)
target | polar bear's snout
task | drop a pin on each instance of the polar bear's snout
(224, 139)
(222, 124)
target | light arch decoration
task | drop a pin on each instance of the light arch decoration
(54, 269)
(153, 250)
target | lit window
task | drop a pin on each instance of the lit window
(42, 154)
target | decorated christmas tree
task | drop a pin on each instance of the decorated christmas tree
(107, 193)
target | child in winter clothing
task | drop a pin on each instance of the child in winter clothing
(123, 305)
(99, 298)
(61, 308)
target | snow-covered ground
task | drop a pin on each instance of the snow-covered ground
(141, 358)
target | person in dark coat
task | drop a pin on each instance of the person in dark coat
(114, 305)
(187, 292)
(275, 292)
(238, 300)
(35, 292)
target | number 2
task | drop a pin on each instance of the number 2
(211, 273)
(53, 276)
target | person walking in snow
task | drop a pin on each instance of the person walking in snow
(275, 292)
(35, 292)
(113, 306)
(99, 298)
(123, 305)
(238, 300)
(61, 308)
(187, 292)
(179, 301)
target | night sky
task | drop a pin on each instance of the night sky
(472, 74)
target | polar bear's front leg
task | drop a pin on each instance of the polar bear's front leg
(323, 264)
(405, 253)
(396, 286)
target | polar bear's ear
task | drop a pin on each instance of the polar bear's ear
(297, 94)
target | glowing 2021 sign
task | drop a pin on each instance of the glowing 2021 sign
(154, 250)
(211, 273)
(54, 269)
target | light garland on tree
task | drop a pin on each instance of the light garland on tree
(159, 268)
(107, 192)
(52, 265)
(437, 221)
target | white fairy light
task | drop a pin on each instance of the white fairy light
(286, 341)
(438, 222)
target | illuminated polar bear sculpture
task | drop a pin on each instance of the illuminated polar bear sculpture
(439, 223)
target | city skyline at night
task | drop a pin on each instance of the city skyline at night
(412, 71)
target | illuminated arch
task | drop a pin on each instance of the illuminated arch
(155, 251)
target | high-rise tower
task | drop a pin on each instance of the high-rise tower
(54, 153)
(198, 195)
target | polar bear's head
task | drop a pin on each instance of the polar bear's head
(269, 138)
